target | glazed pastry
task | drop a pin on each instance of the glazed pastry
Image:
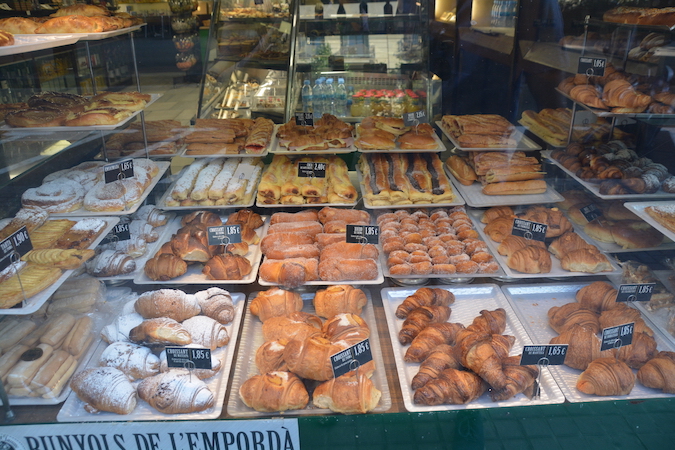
(135, 361)
(176, 393)
(171, 303)
(104, 389)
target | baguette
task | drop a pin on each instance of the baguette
(515, 187)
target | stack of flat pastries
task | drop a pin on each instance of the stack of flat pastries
(404, 179)
(641, 16)
(216, 181)
(229, 136)
(480, 130)
(388, 133)
(163, 137)
(663, 214)
(281, 185)
(328, 132)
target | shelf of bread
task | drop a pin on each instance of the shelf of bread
(390, 135)
(230, 138)
(660, 215)
(130, 351)
(437, 332)
(563, 254)
(590, 374)
(165, 139)
(484, 132)
(30, 43)
(329, 135)
(284, 355)
(185, 256)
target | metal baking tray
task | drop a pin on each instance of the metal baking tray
(469, 301)
(639, 209)
(523, 143)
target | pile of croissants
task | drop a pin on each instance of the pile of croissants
(298, 345)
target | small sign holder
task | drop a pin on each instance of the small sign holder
(363, 234)
(542, 356)
(350, 359)
(529, 230)
(618, 336)
(635, 292)
(309, 169)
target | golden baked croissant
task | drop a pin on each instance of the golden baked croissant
(104, 389)
(606, 376)
(659, 372)
(518, 379)
(560, 318)
(227, 267)
(512, 244)
(176, 392)
(270, 357)
(597, 296)
(341, 298)
(620, 314)
(584, 346)
(135, 361)
(172, 303)
(621, 93)
(297, 325)
(216, 303)
(497, 211)
(491, 322)
(310, 358)
(351, 393)
(424, 297)
(588, 260)
(568, 242)
(484, 354)
(275, 302)
(641, 350)
(274, 392)
(441, 358)
(164, 267)
(419, 318)
(530, 259)
(588, 95)
(499, 228)
(160, 331)
(451, 387)
(431, 337)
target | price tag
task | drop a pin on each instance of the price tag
(591, 212)
(188, 358)
(18, 242)
(551, 355)
(225, 234)
(618, 336)
(258, 2)
(118, 170)
(363, 234)
(351, 358)
(285, 27)
(304, 119)
(414, 118)
(592, 66)
(309, 169)
(120, 232)
(635, 292)
(529, 230)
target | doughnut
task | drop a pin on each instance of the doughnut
(400, 269)
(400, 254)
(422, 268)
(456, 259)
(409, 227)
(440, 214)
(459, 215)
(386, 217)
(113, 196)
(472, 246)
(393, 261)
(467, 234)
(453, 248)
(412, 238)
(60, 195)
(420, 215)
(437, 250)
(431, 241)
(444, 269)
(412, 247)
(392, 244)
(420, 257)
(481, 257)
(462, 227)
(467, 267)
(440, 259)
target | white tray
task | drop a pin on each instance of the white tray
(251, 339)
(99, 36)
(469, 301)
(73, 409)
(24, 43)
(34, 303)
(532, 302)
(194, 273)
(639, 209)
(595, 187)
(352, 178)
(440, 148)
(523, 143)
(556, 269)
(151, 146)
(162, 165)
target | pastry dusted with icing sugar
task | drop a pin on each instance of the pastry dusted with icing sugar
(206, 332)
(110, 263)
(58, 196)
(115, 196)
(104, 389)
(118, 331)
(171, 303)
(217, 304)
(176, 392)
(135, 361)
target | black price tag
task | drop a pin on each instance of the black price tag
(119, 170)
(188, 358)
(120, 232)
(592, 66)
(351, 358)
(533, 231)
(304, 119)
(618, 336)
(414, 118)
(225, 234)
(591, 212)
(547, 355)
(18, 242)
(309, 169)
(258, 2)
(635, 292)
(363, 234)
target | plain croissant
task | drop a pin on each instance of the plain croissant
(484, 354)
(346, 326)
(275, 302)
(560, 318)
(424, 297)
(518, 379)
(270, 357)
(620, 314)
(310, 358)
(351, 393)
(641, 350)
(134, 360)
(216, 303)
(176, 392)
(597, 296)
(172, 303)
(274, 392)
(606, 376)
(431, 337)
(419, 318)
(451, 387)
(441, 358)
(584, 347)
(206, 332)
(104, 389)
(659, 372)
(491, 322)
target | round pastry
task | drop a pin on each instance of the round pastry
(86, 179)
(60, 195)
(668, 185)
(35, 117)
(148, 165)
(58, 100)
(652, 183)
(115, 196)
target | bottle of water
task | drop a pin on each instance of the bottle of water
(330, 97)
(307, 97)
(318, 98)
(503, 13)
(341, 98)
(350, 100)
(494, 13)
(511, 11)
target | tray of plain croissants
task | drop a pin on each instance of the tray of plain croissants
(284, 355)
(459, 347)
(127, 377)
(575, 314)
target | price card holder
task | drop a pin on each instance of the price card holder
(635, 292)
(14, 247)
(363, 234)
(413, 119)
(351, 358)
(224, 235)
(304, 119)
(118, 171)
(542, 356)
(592, 66)
(309, 169)
(120, 232)
(618, 336)
(188, 358)
(591, 212)
(527, 229)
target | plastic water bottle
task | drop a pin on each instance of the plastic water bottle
(511, 11)
(503, 13)
(350, 101)
(307, 97)
(494, 13)
(330, 97)
(318, 98)
(341, 98)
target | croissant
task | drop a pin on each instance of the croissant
(588, 260)
(491, 322)
(659, 372)
(419, 318)
(568, 242)
(206, 332)
(352, 393)
(588, 95)
(531, 259)
(135, 361)
(202, 374)
(216, 303)
(597, 296)
(621, 93)
(451, 387)
(513, 243)
(227, 267)
(497, 211)
(606, 376)
(584, 347)
(641, 350)
(275, 302)
(620, 314)
(441, 358)
(499, 228)
(160, 331)
(104, 389)
(176, 392)
(310, 358)
(270, 357)
(425, 297)
(346, 327)
(341, 298)
(484, 354)
(164, 267)
(298, 325)
(560, 318)
(274, 391)
(429, 338)
(519, 379)
(171, 303)
(203, 219)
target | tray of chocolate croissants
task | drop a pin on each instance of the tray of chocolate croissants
(128, 378)
(458, 347)
(575, 314)
(284, 364)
